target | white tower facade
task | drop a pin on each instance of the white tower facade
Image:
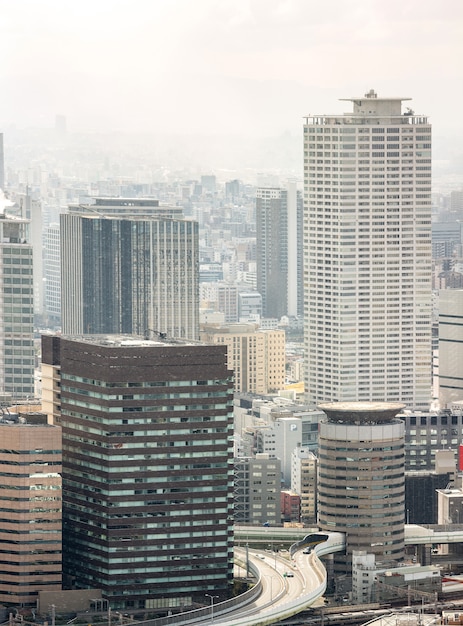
(367, 254)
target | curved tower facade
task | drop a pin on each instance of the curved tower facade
(361, 476)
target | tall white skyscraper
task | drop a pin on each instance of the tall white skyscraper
(367, 253)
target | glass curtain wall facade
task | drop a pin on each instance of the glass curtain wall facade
(17, 308)
(129, 275)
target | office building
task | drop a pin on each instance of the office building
(147, 470)
(257, 490)
(450, 347)
(290, 506)
(256, 356)
(222, 297)
(249, 306)
(279, 216)
(2, 164)
(304, 470)
(361, 488)
(129, 266)
(17, 308)
(30, 531)
(52, 265)
(428, 435)
(367, 280)
(421, 496)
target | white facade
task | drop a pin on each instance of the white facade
(450, 346)
(288, 436)
(304, 481)
(52, 273)
(367, 269)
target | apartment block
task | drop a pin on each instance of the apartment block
(256, 356)
(367, 256)
(31, 509)
(257, 490)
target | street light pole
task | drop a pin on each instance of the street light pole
(212, 605)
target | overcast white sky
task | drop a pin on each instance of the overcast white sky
(224, 66)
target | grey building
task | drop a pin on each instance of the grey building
(17, 308)
(450, 347)
(427, 433)
(52, 266)
(279, 215)
(249, 306)
(257, 490)
(129, 266)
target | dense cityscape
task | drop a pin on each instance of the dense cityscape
(231, 374)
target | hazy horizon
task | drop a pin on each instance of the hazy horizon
(242, 67)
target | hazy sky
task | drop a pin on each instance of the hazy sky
(224, 66)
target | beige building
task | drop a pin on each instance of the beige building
(304, 466)
(256, 356)
(450, 347)
(30, 531)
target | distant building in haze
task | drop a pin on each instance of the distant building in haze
(2, 164)
(52, 266)
(279, 215)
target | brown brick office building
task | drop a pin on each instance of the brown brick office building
(30, 510)
(147, 466)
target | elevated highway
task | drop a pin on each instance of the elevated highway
(285, 587)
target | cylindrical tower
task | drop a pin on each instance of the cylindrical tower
(361, 477)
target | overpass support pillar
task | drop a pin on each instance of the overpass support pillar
(424, 553)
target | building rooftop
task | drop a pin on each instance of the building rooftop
(151, 339)
(361, 411)
(372, 95)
